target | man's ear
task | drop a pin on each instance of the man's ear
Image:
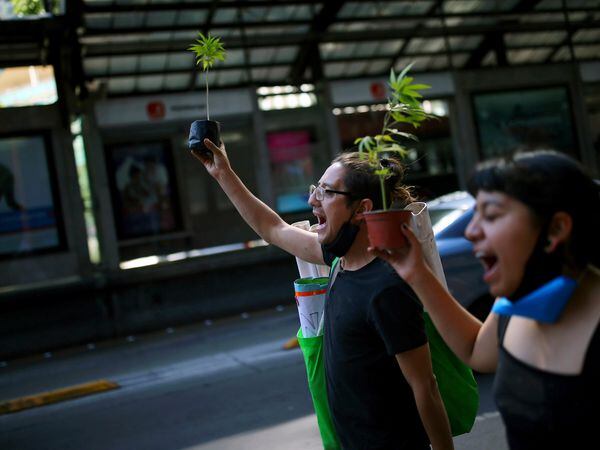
(559, 230)
(365, 205)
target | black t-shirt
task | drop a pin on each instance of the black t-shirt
(371, 314)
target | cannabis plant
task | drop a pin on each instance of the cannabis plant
(208, 50)
(404, 107)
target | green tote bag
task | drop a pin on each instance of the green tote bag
(455, 381)
(312, 349)
(313, 290)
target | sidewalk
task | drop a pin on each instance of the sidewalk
(207, 351)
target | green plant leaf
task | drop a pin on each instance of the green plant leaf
(33, 7)
(208, 49)
(396, 132)
(406, 70)
(382, 172)
(365, 144)
(419, 87)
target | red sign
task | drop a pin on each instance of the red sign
(377, 90)
(156, 110)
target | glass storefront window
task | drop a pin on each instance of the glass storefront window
(143, 189)
(27, 86)
(30, 219)
(292, 170)
(527, 119)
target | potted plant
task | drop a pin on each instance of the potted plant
(207, 50)
(404, 107)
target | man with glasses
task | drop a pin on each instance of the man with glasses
(380, 385)
(320, 192)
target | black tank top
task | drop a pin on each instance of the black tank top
(543, 410)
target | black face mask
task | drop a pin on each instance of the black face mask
(541, 267)
(344, 240)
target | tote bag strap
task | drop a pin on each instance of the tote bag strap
(335, 269)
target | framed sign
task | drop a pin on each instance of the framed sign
(30, 218)
(290, 154)
(143, 189)
(527, 119)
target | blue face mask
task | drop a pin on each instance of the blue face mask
(545, 304)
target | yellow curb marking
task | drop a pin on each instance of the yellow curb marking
(58, 395)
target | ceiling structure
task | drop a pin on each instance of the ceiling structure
(138, 47)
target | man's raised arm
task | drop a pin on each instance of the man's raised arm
(263, 220)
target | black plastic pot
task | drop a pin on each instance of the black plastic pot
(201, 129)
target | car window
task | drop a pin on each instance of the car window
(457, 227)
(443, 217)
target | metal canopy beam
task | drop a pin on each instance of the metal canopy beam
(494, 40)
(279, 40)
(12, 31)
(160, 7)
(101, 31)
(151, 7)
(406, 42)
(310, 49)
(64, 40)
(348, 59)
(330, 79)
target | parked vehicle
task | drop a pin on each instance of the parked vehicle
(450, 214)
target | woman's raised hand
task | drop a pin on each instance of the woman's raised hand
(407, 261)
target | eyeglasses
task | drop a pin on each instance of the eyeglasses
(320, 192)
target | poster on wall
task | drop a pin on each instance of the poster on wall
(144, 196)
(291, 168)
(28, 207)
(522, 120)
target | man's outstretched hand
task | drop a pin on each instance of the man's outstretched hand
(215, 161)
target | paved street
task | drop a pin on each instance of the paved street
(226, 384)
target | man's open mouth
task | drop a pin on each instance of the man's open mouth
(321, 220)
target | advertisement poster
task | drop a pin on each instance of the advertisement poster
(291, 168)
(524, 120)
(144, 197)
(28, 213)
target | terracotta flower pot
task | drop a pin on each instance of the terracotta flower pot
(201, 129)
(383, 228)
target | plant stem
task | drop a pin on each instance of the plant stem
(207, 110)
(386, 119)
(383, 197)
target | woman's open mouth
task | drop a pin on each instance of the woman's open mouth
(489, 263)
